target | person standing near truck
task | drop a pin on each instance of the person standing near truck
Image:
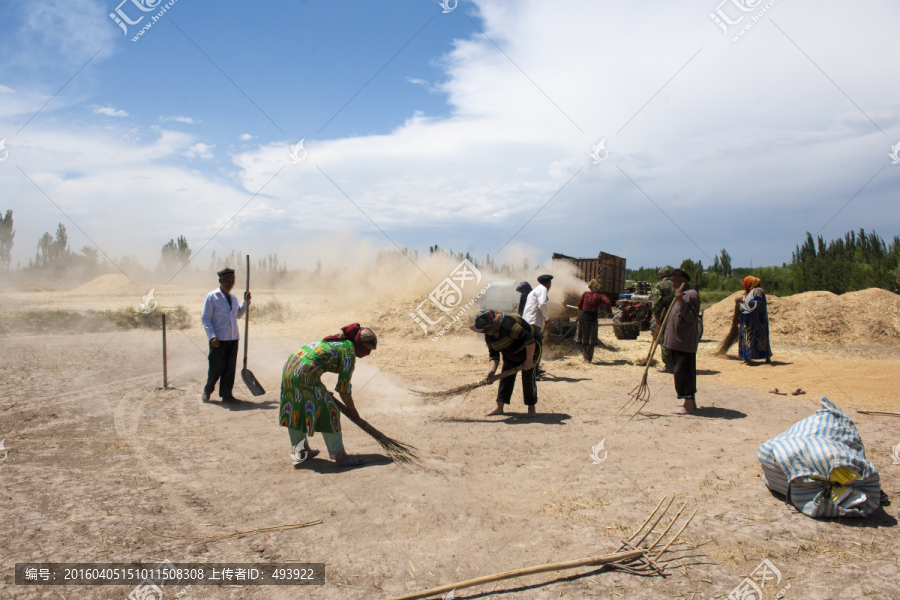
(662, 297)
(682, 338)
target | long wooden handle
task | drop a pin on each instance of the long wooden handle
(660, 333)
(507, 373)
(247, 314)
(572, 564)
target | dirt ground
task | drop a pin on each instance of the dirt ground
(105, 467)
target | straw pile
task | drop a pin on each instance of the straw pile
(869, 316)
(114, 284)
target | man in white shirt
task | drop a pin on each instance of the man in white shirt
(220, 315)
(536, 311)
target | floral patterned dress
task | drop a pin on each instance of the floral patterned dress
(753, 343)
(305, 402)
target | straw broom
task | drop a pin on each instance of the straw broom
(732, 336)
(465, 389)
(397, 451)
(641, 393)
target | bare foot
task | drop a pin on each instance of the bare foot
(687, 409)
(496, 411)
(531, 411)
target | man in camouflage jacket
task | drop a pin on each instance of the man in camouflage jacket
(662, 297)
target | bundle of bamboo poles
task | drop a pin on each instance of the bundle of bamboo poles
(631, 557)
(465, 389)
(732, 336)
(641, 393)
(397, 451)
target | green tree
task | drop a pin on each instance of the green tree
(52, 252)
(175, 254)
(7, 235)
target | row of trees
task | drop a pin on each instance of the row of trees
(854, 262)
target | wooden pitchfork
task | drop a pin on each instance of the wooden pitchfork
(636, 555)
(641, 393)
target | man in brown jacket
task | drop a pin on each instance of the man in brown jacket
(682, 338)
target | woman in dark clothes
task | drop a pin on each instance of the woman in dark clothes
(523, 288)
(586, 327)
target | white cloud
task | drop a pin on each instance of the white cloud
(421, 82)
(746, 133)
(109, 111)
(6, 90)
(199, 150)
(67, 31)
(246, 136)
(179, 119)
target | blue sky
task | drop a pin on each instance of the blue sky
(712, 143)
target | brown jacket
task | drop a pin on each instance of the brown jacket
(681, 328)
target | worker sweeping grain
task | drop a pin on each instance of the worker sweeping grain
(753, 339)
(519, 344)
(307, 406)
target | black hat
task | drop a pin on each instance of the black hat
(680, 272)
(225, 271)
(544, 278)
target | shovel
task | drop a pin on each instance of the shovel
(249, 379)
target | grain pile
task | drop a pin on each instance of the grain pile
(109, 285)
(869, 316)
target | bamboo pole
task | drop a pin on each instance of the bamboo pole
(878, 412)
(572, 564)
(165, 368)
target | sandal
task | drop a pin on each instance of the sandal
(775, 391)
(797, 392)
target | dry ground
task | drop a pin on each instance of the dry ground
(102, 465)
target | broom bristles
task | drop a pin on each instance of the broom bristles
(732, 336)
(397, 451)
(465, 389)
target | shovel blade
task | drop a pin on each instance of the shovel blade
(251, 382)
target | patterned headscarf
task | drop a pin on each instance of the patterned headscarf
(363, 338)
(749, 282)
(594, 285)
(524, 288)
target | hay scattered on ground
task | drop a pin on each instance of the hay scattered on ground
(864, 317)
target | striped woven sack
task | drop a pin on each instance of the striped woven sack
(820, 465)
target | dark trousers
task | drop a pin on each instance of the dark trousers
(529, 384)
(222, 364)
(684, 369)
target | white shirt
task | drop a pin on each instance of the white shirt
(536, 311)
(220, 320)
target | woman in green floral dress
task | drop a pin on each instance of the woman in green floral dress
(307, 406)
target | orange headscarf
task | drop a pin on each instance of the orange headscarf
(749, 282)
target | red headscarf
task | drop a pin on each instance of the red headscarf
(352, 332)
(749, 282)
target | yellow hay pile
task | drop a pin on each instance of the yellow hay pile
(869, 316)
(109, 285)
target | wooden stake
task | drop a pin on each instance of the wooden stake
(165, 369)
(572, 564)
